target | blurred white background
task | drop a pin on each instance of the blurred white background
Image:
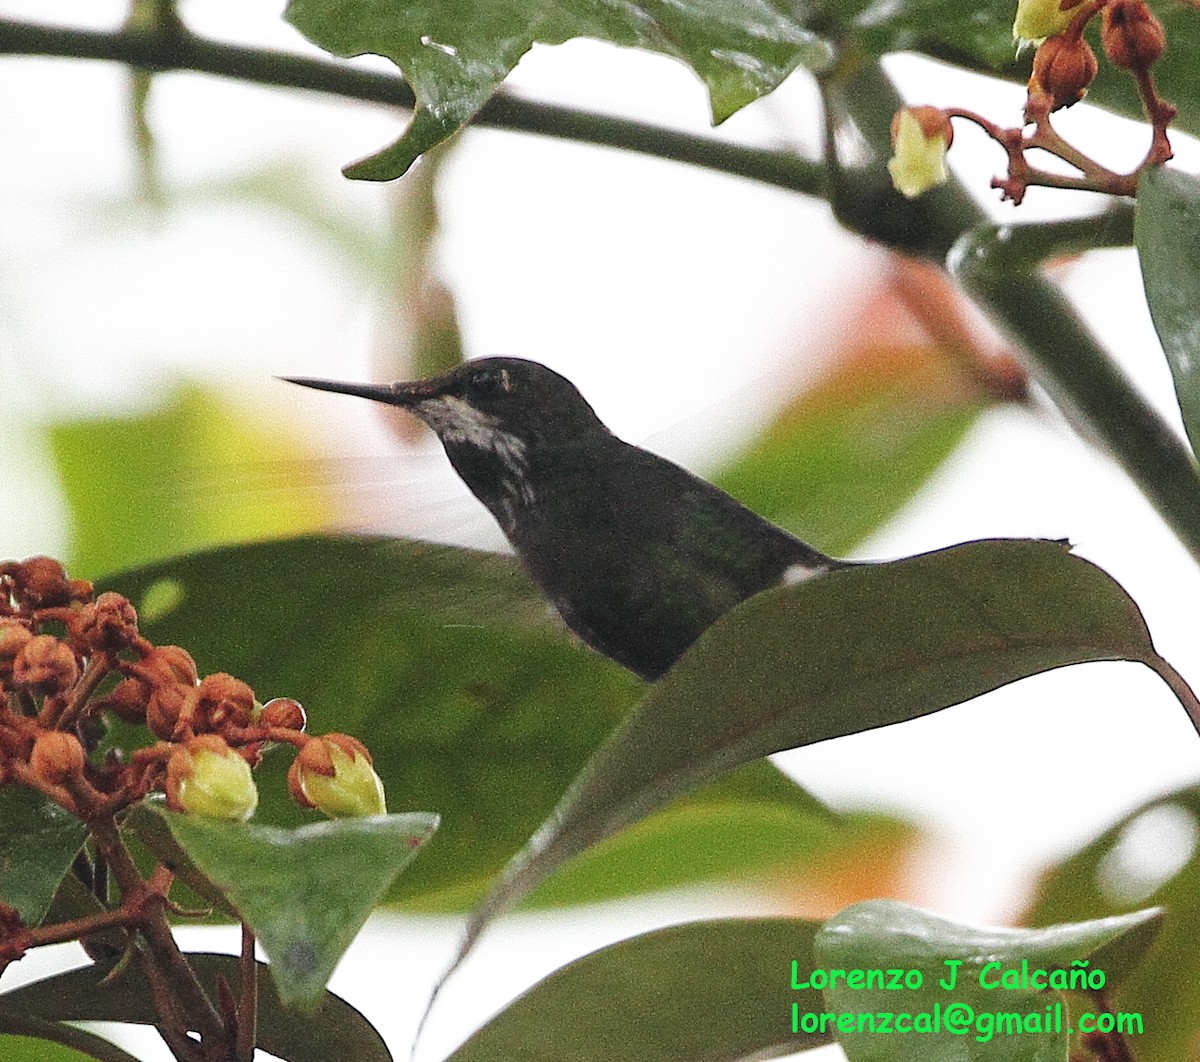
(678, 301)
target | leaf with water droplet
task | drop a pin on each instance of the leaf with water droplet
(456, 53)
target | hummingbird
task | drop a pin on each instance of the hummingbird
(637, 555)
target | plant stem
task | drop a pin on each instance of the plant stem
(154, 50)
(932, 297)
(81, 927)
(1179, 687)
(1000, 267)
(168, 968)
(860, 101)
(98, 667)
(247, 1013)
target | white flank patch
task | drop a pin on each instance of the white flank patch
(797, 573)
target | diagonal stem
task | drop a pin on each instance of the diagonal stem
(1000, 266)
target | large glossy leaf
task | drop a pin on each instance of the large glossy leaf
(38, 842)
(446, 662)
(706, 990)
(1151, 856)
(457, 52)
(850, 651)
(964, 977)
(304, 892)
(847, 454)
(1168, 219)
(333, 1030)
(150, 486)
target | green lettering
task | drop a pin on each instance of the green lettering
(983, 1027)
(954, 964)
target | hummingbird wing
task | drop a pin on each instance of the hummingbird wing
(639, 556)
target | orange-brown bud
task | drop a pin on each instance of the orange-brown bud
(57, 756)
(334, 773)
(223, 701)
(14, 636)
(933, 122)
(128, 700)
(108, 625)
(14, 937)
(169, 703)
(283, 712)
(81, 590)
(42, 583)
(206, 777)
(313, 758)
(170, 663)
(1132, 37)
(45, 665)
(1063, 67)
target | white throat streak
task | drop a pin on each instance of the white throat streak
(458, 423)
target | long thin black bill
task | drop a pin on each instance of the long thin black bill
(393, 394)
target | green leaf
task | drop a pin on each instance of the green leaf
(1168, 218)
(473, 701)
(150, 486)
(1152, 856)
(847, 455)
(38, 843)
(332, 1030)
(707, 990)
(145, 826)
(456, 53)
(767, 844)
(978, 36)
(305, 892)
(54, 1042)
(887, 935)
(755, 821)
(850, 651)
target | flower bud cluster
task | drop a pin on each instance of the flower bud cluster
(1064, 67)
(71, 661)
(1064, 64)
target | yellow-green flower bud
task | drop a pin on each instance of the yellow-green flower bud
(920, 138)
(1038, 19)
(334, 774)
(206, 777)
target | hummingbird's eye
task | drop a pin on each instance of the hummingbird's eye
(484, 381)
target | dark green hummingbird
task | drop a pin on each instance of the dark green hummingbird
(638, 555)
